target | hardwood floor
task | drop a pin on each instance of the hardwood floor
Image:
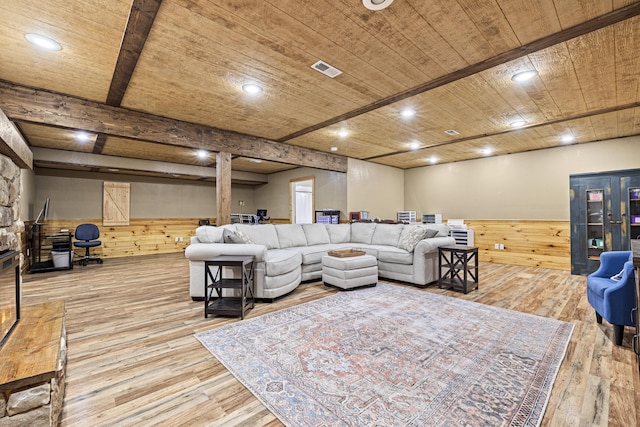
(133, 359)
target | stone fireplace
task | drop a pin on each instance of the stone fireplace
(27, 396)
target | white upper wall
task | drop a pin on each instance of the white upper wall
(375, 188)
(532, 185)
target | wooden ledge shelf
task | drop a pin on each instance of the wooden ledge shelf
(30, 354)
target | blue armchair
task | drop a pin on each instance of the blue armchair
(613, 299)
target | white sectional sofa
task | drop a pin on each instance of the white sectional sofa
(288, 254)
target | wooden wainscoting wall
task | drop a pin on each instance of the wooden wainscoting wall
(527, 242)
(141, 237)
(536, 243)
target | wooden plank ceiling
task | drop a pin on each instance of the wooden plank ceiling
(182, 63)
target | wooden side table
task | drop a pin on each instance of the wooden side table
(458, 267)
(219, 304)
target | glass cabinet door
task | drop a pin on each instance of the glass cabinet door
(595, 223)
(634, 212)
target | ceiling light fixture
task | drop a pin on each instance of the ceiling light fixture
(487, 151)
(414, 145)
(376, 4)
(82, 136)
(255, 160)
(451, 132)
(518, 123)
(433, 160)
(524, 76)
(251, 88)
(568, 138)
(43, 42)
(202, 154)
(343, 133)
(407, 113)
(334, 148)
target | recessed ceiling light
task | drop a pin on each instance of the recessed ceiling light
(82, 136)
(408, 112)
(202, 154)
(451, 132)
(334, 148)
(433, 160)
(524, 76)
(414, 145)
(255, 160)
(568, 138)
(251, 88)
(487, 151)
(43, 42)
(113, 170)
(518, 123)
(343, 133)
(376, 4)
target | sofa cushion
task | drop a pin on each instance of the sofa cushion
(411, 235)
(316, 234)
(281, 261)
(290, 235)
(339, 233)
(261, 234)
(314, 254)
(209, 234)
(394, 255)
(362, 232)
(387, 234)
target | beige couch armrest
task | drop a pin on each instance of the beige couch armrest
(426, 246)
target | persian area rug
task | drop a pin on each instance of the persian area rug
(394, 356)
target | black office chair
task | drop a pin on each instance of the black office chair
(86, 237)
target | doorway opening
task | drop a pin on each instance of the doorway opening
(301, 192)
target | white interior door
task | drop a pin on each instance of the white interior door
(302, 202)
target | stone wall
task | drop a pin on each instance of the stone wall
(39, 403)
(10, 224)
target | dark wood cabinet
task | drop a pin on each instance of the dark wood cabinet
(605, 216)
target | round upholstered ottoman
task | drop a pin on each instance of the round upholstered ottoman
(350, 272)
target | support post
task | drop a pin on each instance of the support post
(223, 188)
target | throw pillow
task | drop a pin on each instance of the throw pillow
(431, 233)
(409, 241)
(618, 276)
(243, 237)
(234, 237)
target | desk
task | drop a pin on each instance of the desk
(220, 304)
(460, 264)
(41, 244)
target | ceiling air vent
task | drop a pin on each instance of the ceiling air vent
(326, 69)
(452, 132)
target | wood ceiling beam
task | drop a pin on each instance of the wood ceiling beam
(56, 109)
(141, 17)
(13, 145)
(502, 132)
(102, 161)
(578, 30)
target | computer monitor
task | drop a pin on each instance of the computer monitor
(42, 216)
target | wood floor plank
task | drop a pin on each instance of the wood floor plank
(133, 360)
